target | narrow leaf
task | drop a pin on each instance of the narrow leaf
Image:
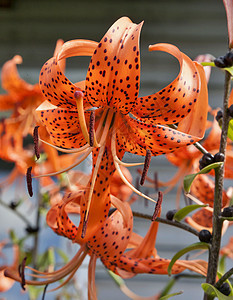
(183, 212)
(194, 246)
(230, 130)
(171, 295)
(188, 179)
(212, 291)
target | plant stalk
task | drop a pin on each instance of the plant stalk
(219, 176)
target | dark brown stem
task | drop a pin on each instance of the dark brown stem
(217, 223)
(168, 222)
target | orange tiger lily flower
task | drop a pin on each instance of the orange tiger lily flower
(104, 116)
(108, 244)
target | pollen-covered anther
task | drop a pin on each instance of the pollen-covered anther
(146, 166)
(36, 142)
(29, 181)
(157, 206)
(91, 129)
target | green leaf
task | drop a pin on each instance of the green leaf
(222, 264)
(226, 218)
(171, 295)
(183, 212)
(230, 130)
(212, 291)
(194, 246)
(188, 179)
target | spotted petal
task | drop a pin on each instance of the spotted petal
(56, 87)
(62, 125)
(114, 71)
(174, 102)
(136, 137)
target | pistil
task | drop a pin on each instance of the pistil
(82, 121)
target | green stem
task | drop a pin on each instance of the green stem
(168, 222)
(224, 278)
(206, 63)
(219, 175)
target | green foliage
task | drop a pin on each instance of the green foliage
(212, 291)
(183, 212)
(188, 180)
(180, 253)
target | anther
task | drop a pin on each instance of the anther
(29, 181)
(157, 206)
(85, 220)
(21, 272)
(146, 166)
(91, 129)
(36, 142)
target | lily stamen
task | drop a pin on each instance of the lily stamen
(117, 166)
(91, 129)
(146, 166)
(36, 142)
(68, 168)
(69, 268)
(29, 181)
(79, 102)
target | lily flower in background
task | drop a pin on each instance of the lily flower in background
(5, 282)
(229, 12)
(104, 116)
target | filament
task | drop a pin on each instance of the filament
(113, 148)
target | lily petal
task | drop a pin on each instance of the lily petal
(115, 68)
(174, 102)
(135, 137)
(62, 125)
(55, 86)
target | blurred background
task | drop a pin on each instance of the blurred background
(31, 28)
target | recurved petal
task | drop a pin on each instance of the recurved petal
(195, 122)
(175, 101)
(114, 71)
(111, 240)
(137, 137)
(12, 82)
(229, 11)
(56, 87)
